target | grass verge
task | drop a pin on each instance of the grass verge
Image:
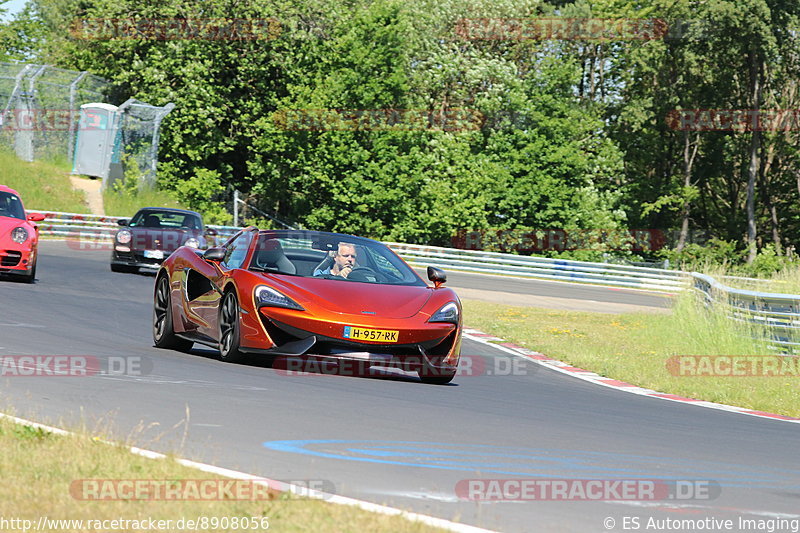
(41, 185)
(40, 468)
(637, 348)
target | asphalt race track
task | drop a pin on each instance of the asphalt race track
(389, 439)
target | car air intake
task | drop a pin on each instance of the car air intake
(9, 258)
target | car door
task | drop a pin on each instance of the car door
(203, 286)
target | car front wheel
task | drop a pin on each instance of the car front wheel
(29, 278)
(229, 329)
(122, 268)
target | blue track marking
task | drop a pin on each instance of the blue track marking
(541, 463)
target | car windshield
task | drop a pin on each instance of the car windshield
(11, 206)
(321, 255)
(166, 220)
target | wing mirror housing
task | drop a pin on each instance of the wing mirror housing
(35, 217)
(211, 232)
(215, 255)
(123, 222)
(437, 276)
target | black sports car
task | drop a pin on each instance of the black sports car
(153, 234)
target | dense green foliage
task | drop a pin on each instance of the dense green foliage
(559, 133)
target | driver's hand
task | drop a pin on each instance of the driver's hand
(345, 271)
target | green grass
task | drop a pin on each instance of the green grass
(37, 481)
(43, 186)
(636, 348)
(126, 203)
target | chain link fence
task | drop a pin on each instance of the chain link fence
(39, 108)
(139, 136)
(40, 119)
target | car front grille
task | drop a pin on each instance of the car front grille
(10, 258)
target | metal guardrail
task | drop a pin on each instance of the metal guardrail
(543, 267)
(778, 314)
(98, 228)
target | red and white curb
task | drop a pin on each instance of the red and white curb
(276, 485)
(592, 377)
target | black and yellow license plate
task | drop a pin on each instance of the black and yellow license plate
(374, 335)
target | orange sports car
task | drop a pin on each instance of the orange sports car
(309, 294)
(19, 238)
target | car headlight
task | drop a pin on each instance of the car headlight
(123, 236)
(19, 235)
(192, 243)
(446, 313)
(269, 297)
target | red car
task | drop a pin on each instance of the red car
(309, 294)
(19, 238)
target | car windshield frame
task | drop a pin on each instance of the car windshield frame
(307, 249)
(140, 216)
(12, 206)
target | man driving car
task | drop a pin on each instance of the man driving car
(344, 261)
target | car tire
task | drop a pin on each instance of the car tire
(29, 278)
(122, 268)
(229, 329)
(163, 331)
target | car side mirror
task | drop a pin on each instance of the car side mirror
(437, 276)
(36, 217)
(123, 222)
(214, 254)
(211, 232)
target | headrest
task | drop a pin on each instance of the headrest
(270, 251)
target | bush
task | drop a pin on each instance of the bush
(695, 256)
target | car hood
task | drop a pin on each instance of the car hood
(354, 298)
(167, 240)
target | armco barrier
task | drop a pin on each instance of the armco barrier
(778, 313)
(544, 267)
(99, 228)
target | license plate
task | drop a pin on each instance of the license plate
(374, 335)
(153, 254)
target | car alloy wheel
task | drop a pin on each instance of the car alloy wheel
(163, 332)
(229, 329)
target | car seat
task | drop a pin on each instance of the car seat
(270, 256)
(152, 221)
